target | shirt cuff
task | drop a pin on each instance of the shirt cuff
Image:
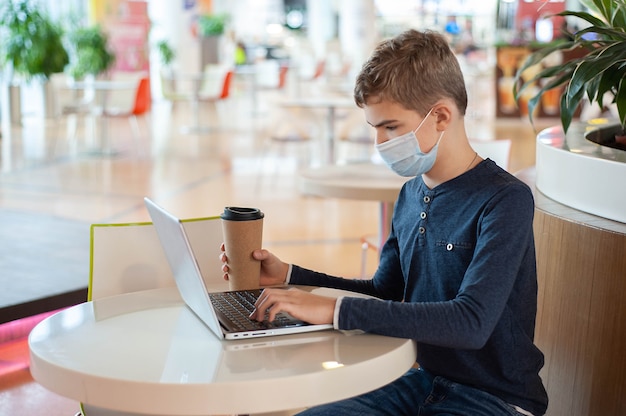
(336, 312)
(288, 277)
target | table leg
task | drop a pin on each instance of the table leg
(331, 135)
(105, 146)
(384, 228)
(255, 88)
(384, 224)
(103, 141)
(197, 127)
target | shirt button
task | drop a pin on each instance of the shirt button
(423, 215)
(422, 230)
(449, 246)
(427, 199)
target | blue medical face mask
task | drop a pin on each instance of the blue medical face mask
(404, 156)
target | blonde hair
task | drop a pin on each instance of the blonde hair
(414, 69)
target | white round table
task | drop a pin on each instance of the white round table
(146, 352)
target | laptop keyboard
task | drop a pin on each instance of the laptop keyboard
(237, 307)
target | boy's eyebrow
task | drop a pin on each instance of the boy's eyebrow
(382, 123)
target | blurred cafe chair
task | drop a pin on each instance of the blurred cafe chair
(320, 66)
(282, 77)
(309, 75)
(130, 104)
(213, 86)
(216, 83)
(270, 75)
(128, 257)
(292, 125)
(171, 89)
(498, 150)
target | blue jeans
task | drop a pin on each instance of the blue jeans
(418, 393)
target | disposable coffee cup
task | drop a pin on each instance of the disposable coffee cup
(243, 233)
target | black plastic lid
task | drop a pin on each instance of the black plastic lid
(241, 214)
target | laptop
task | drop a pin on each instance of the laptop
(220, 311)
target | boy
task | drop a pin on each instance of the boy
(457, 273)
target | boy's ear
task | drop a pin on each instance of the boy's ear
(443, 115)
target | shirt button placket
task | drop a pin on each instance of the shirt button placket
(423, 214)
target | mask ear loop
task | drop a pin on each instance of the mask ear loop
(440, 137)
(442, 132)
(425, 117)
(418, 127)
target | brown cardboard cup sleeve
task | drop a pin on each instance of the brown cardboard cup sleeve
(243, 233)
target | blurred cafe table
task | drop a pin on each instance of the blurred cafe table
(362, 181)
(146, 353)
(331, 104)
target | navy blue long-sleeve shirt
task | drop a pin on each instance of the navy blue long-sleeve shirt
(458, 275)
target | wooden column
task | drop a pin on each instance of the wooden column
(581, 319)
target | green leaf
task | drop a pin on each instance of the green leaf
(620, 99)
(532, 104)
(611, 78)
(584, 73)
(591, 90)
(568, 109)
(534, 59)
(608, 33)
(594, 21)
(619, 17)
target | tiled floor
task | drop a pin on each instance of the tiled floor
(197, 175)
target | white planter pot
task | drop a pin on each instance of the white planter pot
(580, 173)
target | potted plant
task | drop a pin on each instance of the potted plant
(166, 57)
(89, 52)
(580, 165)
(212, 24)
(31, 46)
(167, 72)
(598, 74)
(210, 28)
(166, 53)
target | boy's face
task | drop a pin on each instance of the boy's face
(391, 120)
